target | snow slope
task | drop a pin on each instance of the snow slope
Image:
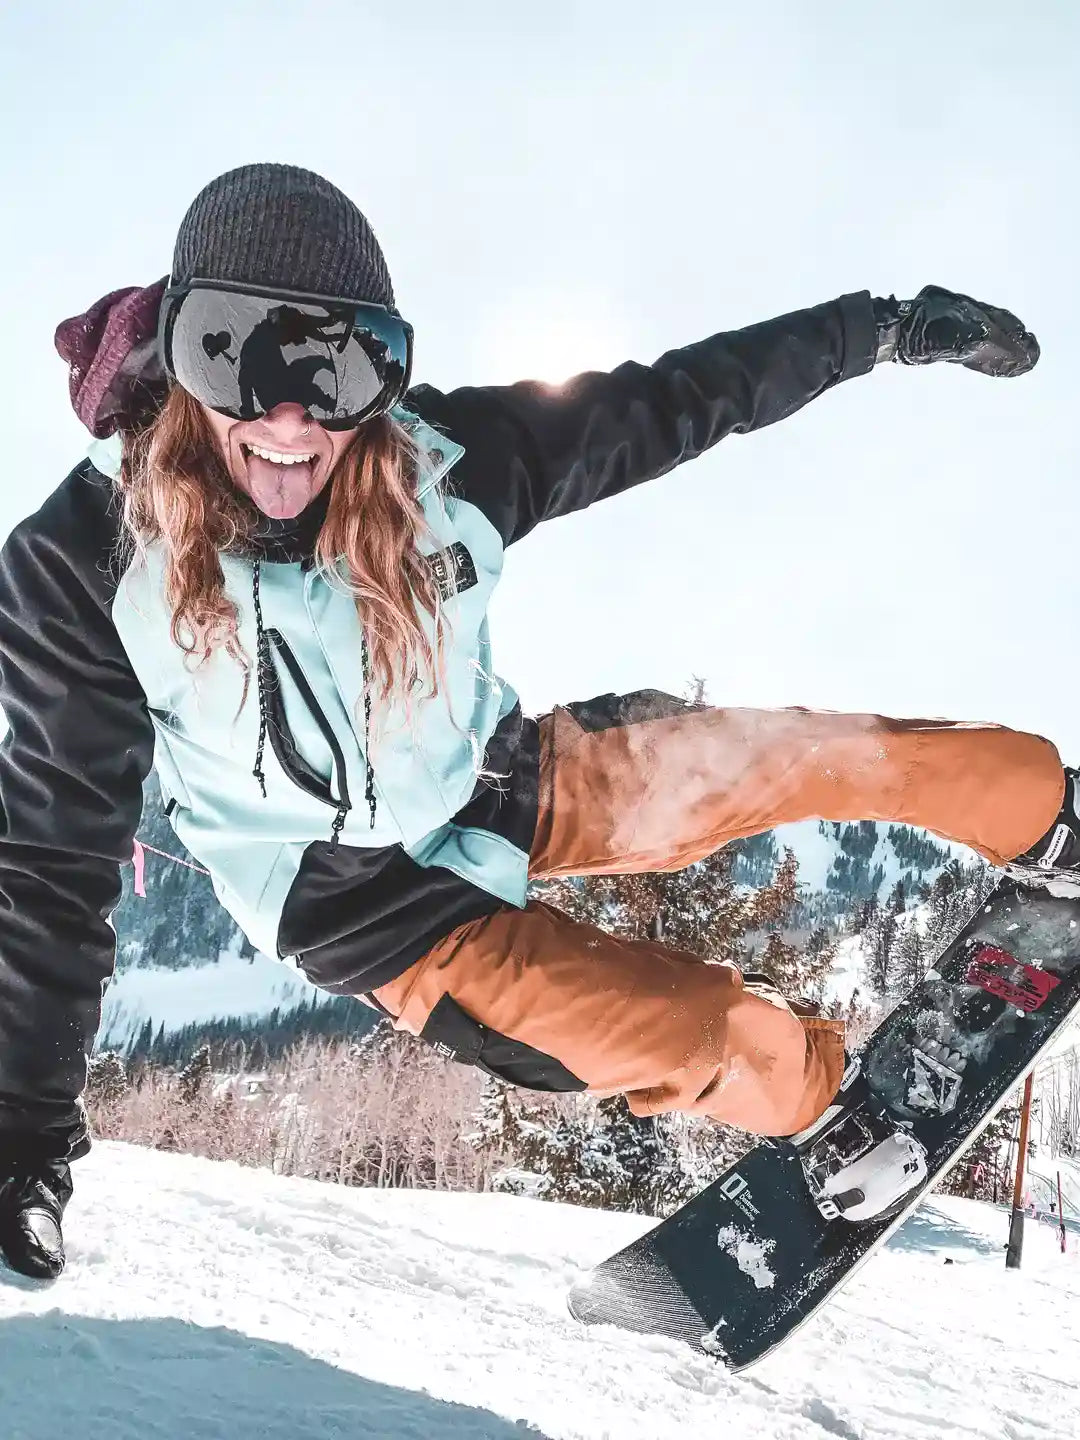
(819, 852)
(209, 1301)
(230, 987)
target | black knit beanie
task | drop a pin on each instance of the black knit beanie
(283, 227)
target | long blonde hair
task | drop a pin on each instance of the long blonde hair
(177, 491)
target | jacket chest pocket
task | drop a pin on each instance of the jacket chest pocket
(300, 770)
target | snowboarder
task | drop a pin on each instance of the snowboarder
(283, 607)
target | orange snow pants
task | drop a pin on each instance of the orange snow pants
(647, 783)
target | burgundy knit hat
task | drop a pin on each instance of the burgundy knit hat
(114, 375)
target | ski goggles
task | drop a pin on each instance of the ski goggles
(242, 350)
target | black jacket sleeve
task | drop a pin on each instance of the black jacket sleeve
(78, 746)
(535, 451)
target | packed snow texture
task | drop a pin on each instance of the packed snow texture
(211, 1301)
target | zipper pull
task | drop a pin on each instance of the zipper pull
(338, 826)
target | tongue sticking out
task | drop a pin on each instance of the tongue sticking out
(280, 491)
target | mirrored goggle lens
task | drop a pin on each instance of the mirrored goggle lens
(244, 354)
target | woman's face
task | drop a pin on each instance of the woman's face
(281, 461)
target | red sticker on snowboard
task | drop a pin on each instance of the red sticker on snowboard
(1003, 975)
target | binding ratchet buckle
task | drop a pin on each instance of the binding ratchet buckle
(1001, 974)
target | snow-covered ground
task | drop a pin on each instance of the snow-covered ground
(213, 1302)
(1042, 1173)
(846, 975)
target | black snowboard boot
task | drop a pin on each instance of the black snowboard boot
(32, 1203)
(1054, 861)
(860, 1164)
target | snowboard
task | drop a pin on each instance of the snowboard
(738, 1269)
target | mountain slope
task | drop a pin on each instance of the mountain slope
(176, 998)
(212, 1301)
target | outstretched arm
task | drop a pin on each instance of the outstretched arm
(78, 746)
(534, 451)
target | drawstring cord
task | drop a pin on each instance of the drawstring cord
(263, 670)
(369, 779)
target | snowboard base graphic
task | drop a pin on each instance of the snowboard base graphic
(738, 1269)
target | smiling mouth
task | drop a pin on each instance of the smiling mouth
(277, 457)
(282, 483)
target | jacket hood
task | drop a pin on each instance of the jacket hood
(115, 376)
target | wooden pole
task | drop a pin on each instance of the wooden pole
(1015, 1248)
(1061, 1214)
(1007, 1169)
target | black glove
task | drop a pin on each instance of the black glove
(33, 1197)
(941, 325)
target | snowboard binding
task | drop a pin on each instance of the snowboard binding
(859, 1163)
(1053, 863)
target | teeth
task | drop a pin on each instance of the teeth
(277, 457)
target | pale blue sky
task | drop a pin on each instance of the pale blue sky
(561, 186)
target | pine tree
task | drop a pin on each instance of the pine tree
(911, 958)
(939, 916)
(594, 1153)
(954, 895)
(645, 1175)
(106, 1079)
(700, 909)
(880, 938)
(819, 957)
(704, 1148)
(867, 914)
(861, 1016)
(821, 946)
(498, 1129)
(192, 1080)
(982, 1172)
